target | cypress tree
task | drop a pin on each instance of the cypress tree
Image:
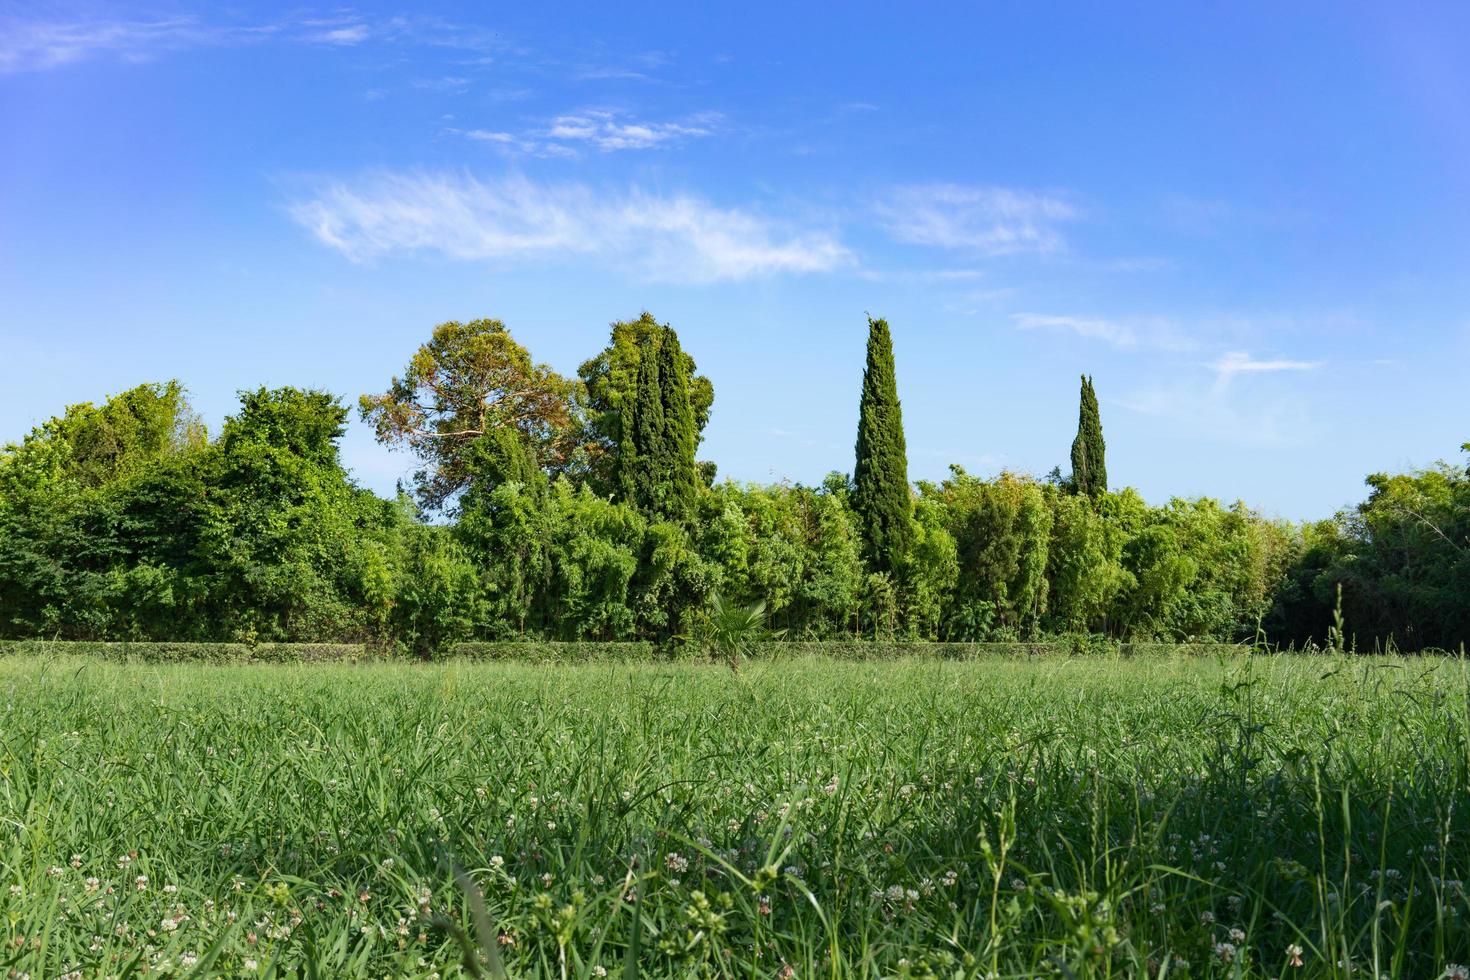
(679, 472)
(1089, 466)
(660, 432)
(641, 452)
(881, 496)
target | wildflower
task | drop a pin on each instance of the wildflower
(599, 970)
(1456, 971)
(76, 861)
(251, 965)
(55, 872)
(1226, 952)
(1294, 955)
(676, 862)
(1237, 936)
(1206, 917)
(141, 883)
(764, 907)
(92, 884)
(170, 889)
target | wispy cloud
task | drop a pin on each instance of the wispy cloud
(1231, 363)
(1111, 331)
(663, 237)
(1273, 420)
(606, 130)
(989, 220)
(35, 46)
(38, 45)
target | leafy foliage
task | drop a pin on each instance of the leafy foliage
(611, 383)
(124, 522)
(469, 380)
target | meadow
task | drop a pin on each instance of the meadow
(1273, 816)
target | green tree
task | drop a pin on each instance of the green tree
(1089, 468)
(304, 423)
(881, 495)
(467, 381)
(656, 459)
(611, 383)
(681, 475)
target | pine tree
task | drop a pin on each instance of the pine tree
(1089, 466)
(881, 496)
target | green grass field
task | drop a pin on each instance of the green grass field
(1072, 817)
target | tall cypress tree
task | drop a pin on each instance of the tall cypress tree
(679, 472)
(641, 452)
(656, 455)
(1089, 466)
(881, 477)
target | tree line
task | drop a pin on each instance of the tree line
(558, 507)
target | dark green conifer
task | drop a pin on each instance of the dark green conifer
(881, 496)
(656, 455)
(1089, 466)
(642, 451)
(679, 472)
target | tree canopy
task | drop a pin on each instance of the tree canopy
(469, 379)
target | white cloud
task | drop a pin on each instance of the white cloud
(1281, 420)
(1111, 331)
(32, 45)
(607, 130)
(990, 220)
(664, 237)
(355, 34)
(1239, 362)
(36, 46)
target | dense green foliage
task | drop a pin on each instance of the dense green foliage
(574, 509)
(656, 461)
(880, 477)
(1012, 818)
(611, 383)
(1089, 465)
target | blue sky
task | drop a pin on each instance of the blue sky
(1249, 222)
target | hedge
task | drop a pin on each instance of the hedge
(204, 653)
(560, 652)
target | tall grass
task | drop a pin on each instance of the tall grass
(1073, 817)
